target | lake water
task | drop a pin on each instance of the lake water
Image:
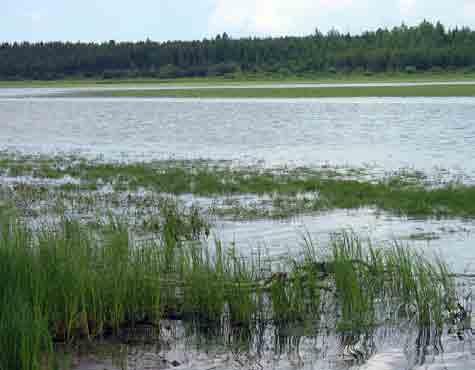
(453, 240)
(386, 133)
(383, 134)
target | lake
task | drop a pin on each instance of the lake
(432, 135)
(383, 133)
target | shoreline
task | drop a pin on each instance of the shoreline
(351, 78)
(281, 92)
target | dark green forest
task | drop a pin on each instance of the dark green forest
(425, 47)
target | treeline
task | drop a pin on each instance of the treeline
(424, 47)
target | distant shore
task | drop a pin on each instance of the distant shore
(243, 79)
(456, 84)
(283, 92)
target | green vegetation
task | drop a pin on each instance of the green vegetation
(426, 47)
(249, 79)
(80, 263)
(295, 92)
(70, 282)
(289, 192)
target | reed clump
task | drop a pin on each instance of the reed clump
(70, 281)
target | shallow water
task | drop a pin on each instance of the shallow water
(388, 133)
(453, 240)
(381, 134)
(322, 352)
(427, 134)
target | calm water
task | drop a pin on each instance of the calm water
(390, 133)
(453, 240)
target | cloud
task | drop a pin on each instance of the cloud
(406, 6)
(274, 17)
(246, 16)
(297, 17)
(188, 19)
(470, 8)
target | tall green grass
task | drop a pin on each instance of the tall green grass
(70, 281)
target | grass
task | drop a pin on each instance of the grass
(67, 281)
(72, 269)
(261, 78)
(288, 192)
(295, 92)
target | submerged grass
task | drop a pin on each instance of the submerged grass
(69, 281)
(291, 191)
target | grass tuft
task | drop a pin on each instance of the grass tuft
(70, 281)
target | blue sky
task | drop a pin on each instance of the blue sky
(99, 20)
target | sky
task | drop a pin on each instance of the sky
(161, 20)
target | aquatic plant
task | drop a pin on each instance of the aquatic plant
(291, 191)
(70, 281)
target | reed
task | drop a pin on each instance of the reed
(70, 281)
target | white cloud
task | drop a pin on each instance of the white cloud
(470, 8)
(272, 16)
(406, 7)
(297, 17)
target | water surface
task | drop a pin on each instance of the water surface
(427, 134)
(389, 133)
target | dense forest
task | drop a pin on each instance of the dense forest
(408, 49)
